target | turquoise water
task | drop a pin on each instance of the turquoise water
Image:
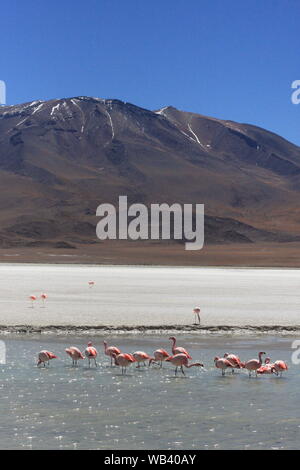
(65, 407)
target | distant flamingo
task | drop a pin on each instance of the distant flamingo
(91, 283)
(266, 368)
(197, 311)
(234, 359)
(178, 350)
(123, 360)
(279, 367)
(180, 360)
(75, 354)
(33, 299)
(109, 351)
(44, 297)
(223, 364)
(91, 353)
(254, 364)
(141, 356)
(45, 356)
(160, 355)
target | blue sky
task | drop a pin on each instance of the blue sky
(233, 59)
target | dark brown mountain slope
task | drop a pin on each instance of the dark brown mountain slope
(60, 159)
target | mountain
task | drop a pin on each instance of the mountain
(60, 159)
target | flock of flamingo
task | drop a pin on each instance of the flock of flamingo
(179, 358)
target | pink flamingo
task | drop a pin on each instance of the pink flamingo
(279, 367)
(160, 355)
(266, 368)
(223, 364)
(91, 283)
(75, 354)
(123, 360)
(91, 353)
(197, 311)
(109, 351)
(45, 356)
(180, 360)
(141, 356)
(177, 349)
(254, 364)
(234, 359)
(44, 297)
(33, 299)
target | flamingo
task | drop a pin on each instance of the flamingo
(197, 311)
(140, 356)
(178, 350)
(44, 297)
(254, 364)
(75, 354)
(91, 353)
(91, 283)
(45, 356)
(32, 298)
(267, 368)
(279, 367)
(180, 360)
(109, 351)
(223, 363)
(234, 359)
(123, 360)
(160, 355)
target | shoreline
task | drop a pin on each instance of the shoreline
(98, 330)
(136, 266)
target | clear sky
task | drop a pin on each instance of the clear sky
(232, 59)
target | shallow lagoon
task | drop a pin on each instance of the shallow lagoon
(65, 407)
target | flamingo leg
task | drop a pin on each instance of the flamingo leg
(182, 370)
(176, 371)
